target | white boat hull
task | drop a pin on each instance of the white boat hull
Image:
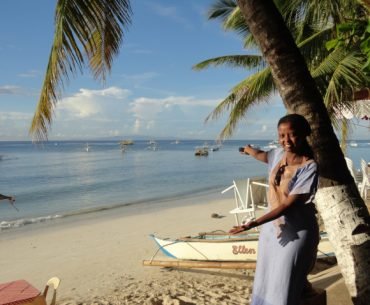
(223, 247)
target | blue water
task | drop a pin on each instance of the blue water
(59, 179)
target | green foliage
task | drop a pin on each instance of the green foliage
(336, 52)
(87, 32)
(353, 34)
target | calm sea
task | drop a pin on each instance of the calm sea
(60, 179)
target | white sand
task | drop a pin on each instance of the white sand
(98, 257)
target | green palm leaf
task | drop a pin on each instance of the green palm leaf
(252, 91)
(85, 31)
(338, 76)
(239, 61)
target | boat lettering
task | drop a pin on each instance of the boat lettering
(243, 250)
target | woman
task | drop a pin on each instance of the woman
(289, 235)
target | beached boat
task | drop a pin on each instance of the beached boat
(223, 247)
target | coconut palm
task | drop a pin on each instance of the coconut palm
(87, 32)
(344, 213)
(311, 26)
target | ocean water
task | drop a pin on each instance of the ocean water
(59, 179)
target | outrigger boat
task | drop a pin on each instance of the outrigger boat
(221, 247)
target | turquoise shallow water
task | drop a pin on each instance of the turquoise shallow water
(61, 178)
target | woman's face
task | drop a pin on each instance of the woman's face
(289, 138)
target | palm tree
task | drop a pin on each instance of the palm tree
(86, 31)
(344, 213)
(311, 26)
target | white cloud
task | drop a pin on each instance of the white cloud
(171, 13)
(92, 103)
(12, 90)
(30, 74)
(15, 116)
(152, 113)
(14, 125)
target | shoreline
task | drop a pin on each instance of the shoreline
(16, 224)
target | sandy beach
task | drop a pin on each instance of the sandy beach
(98, 256)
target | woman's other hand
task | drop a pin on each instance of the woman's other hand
(237, 229)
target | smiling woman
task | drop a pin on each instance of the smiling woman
(289, 235)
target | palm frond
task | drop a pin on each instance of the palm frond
(251, 91)
(235, 21)
(338, 77)
(221, 9)
(85, 30)
(239, 61)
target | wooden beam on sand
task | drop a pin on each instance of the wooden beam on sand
(200, 264)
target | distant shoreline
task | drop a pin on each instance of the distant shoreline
(128, 208)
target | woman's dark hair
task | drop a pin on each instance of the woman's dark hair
(300, 124)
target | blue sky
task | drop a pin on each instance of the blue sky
(152, 89)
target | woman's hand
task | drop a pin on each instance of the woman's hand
(237, 229)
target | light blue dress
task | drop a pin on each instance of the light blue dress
(283, 262)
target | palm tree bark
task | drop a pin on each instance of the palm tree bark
(341, 207)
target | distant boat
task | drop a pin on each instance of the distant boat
(126, 142)
(87, 147)
(153, 145)
(201, 151)
(216, 146)
(272, 144)
(175, 142)
(353, 144)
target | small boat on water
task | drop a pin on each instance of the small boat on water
(87, 147)
(223, 247)
(126, 142)
(201, 151)
(272, 144)
(153, 145)
(353, 144)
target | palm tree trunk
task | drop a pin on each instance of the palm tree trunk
(341, 207)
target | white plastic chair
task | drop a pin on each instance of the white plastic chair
(259, 189)
(42, 300)
(246, 199)
(364, 185)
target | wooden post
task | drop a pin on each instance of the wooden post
(200, 264)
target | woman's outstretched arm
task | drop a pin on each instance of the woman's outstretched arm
(258, 154)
